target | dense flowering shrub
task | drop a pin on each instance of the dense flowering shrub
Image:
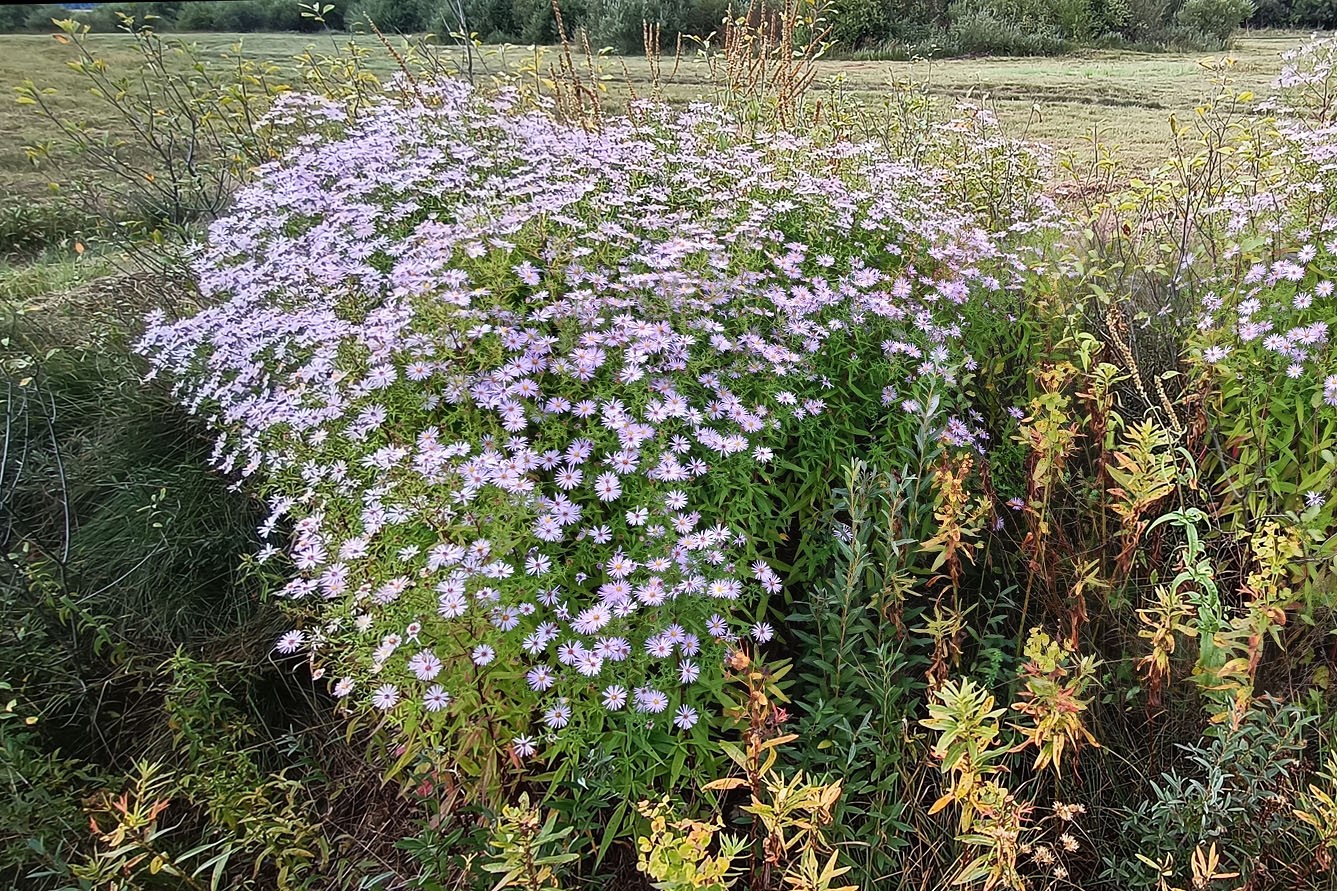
(504, 380)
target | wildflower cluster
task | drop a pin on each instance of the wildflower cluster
(1273, 291)
(1263, 325)
(501, 379)
(1273, 294)
(1305, 80)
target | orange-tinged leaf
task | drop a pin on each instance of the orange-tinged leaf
(940, 804)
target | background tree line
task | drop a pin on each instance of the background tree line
(874, 27)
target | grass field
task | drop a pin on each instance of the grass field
(1125, 97)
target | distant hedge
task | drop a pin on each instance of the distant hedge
(904, 27)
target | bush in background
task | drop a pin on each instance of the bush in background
(1217, 19)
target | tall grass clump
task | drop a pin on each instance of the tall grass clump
(136, 696)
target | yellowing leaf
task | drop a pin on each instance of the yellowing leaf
(940, 804)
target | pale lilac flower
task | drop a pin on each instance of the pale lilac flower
(506, 618)
(385, 697)
(608, 487)
(425, 665)
(592, 619)
(452, 606)
(589, 665)
(540, 677)
(652, 701)
(659, 647)
(290, 642)
(558, 716)
(614, 697)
